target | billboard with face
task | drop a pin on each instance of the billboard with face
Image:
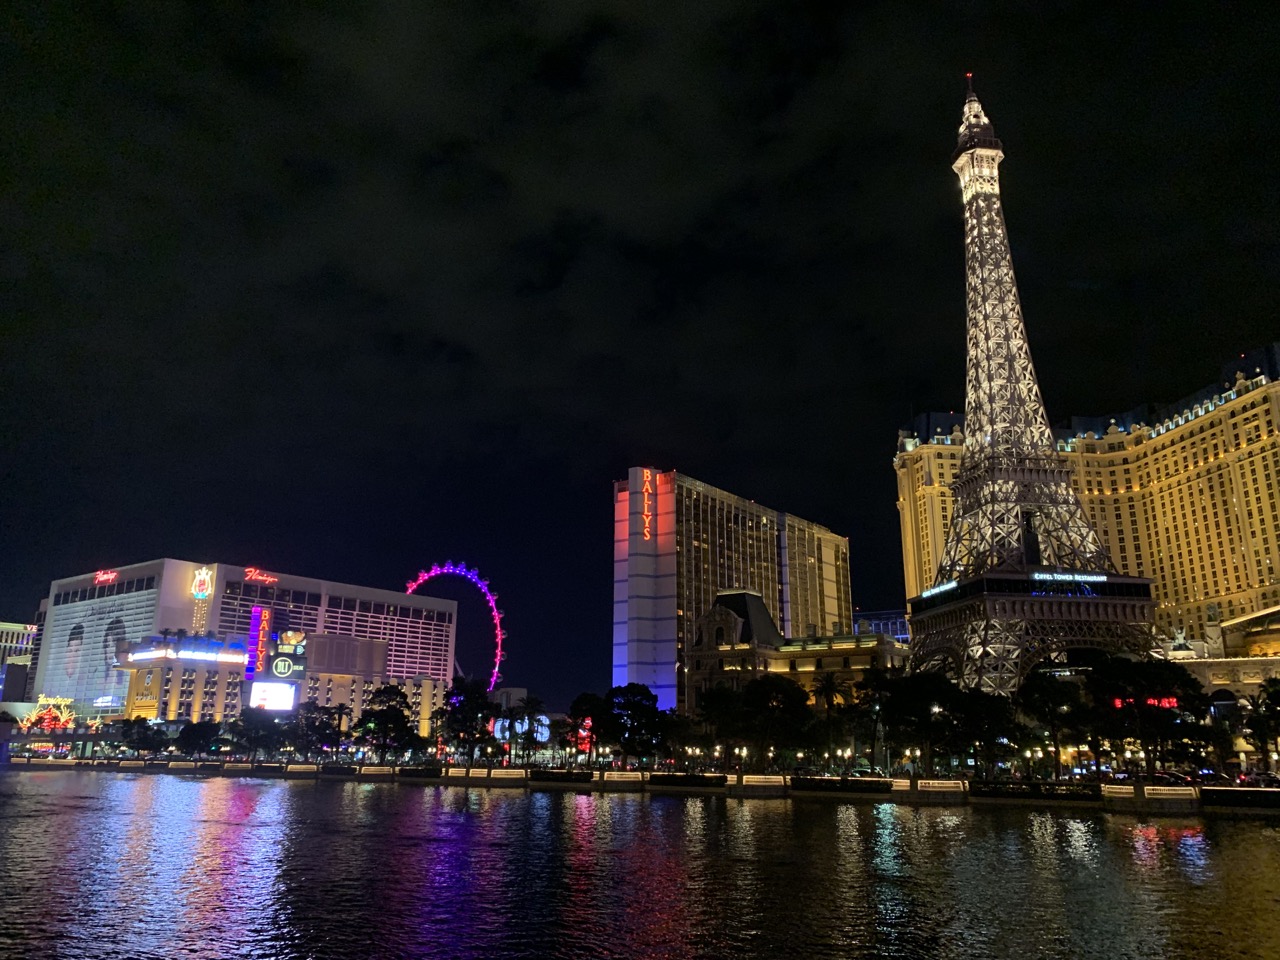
(83, 641)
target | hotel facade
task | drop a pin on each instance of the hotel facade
(17, 641)
(736, 641)
(678, 542)
(175, 639)
(1185, 496)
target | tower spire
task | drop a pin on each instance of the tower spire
(1015, 511)
(1016, 505)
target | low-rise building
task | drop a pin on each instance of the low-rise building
(736, 641)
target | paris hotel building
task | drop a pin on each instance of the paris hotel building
(677, 542)
(1185, 496)
(175, 639)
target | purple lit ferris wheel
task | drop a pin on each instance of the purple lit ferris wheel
(460, 570)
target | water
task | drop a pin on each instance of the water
(107, 865)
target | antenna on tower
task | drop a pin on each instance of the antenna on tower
(968, 78)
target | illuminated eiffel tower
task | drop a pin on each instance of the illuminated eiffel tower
(1023, 575)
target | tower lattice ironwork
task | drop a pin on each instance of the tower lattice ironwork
(1023, 575)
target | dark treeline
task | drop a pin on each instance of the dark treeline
(1117, 715)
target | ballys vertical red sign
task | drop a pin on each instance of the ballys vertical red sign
(257, 640)
(646, 511)
(264, 637)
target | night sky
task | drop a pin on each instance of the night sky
(347, 290)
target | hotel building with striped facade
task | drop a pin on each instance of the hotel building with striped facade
(678, 542)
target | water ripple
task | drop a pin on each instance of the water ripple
(109, 865)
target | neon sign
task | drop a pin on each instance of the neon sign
(48, 718)
(940, 588)
(647, 504)
(264, 635)
(106, 576)
(1168, 703)
(255, 638)
(1072, 577)
(202, 584)
(167, 654)
(253, 573)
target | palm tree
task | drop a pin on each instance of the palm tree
(1262, 720)
(1050, 701)
(529, 709)
(829, 687)
(720, 711)
(341, 711)
(873, 691)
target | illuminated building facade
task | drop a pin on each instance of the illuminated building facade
(1185, 496)
(198, 678)
(736, 641)
(17, 641)
(678, 542)
(95, 620)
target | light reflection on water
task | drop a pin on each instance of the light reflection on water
(96, 864)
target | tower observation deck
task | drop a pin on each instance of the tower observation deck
(1023, 575)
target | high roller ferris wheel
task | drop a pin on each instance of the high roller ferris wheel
(449, 568)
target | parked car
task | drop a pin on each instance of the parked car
(1268, 780)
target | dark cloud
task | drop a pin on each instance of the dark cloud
(346, 289)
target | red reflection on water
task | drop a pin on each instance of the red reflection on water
(217, 854)
(653, 871)
(1151, 843)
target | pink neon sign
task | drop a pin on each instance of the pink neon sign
(106, 576)
(647, 511)
(253, 573)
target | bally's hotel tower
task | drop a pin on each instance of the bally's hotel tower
(677, 542)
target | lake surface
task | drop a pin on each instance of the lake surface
(107, 865)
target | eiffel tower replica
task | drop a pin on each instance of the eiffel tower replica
(1023, 576)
